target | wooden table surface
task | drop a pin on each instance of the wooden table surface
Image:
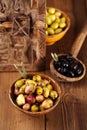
(71, 114)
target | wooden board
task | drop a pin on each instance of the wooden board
(72, 115)
(22, 34)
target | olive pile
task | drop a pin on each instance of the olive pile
(68, 66)
(55, 21)
(34, 94)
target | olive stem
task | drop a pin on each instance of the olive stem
(21, 70)
(54, 56)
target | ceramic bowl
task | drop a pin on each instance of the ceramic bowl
(51, 39)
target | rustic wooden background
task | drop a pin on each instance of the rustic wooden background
(71, 113)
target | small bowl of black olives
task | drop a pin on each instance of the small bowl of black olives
(67, 68)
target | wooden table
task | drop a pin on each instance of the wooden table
(71, 114)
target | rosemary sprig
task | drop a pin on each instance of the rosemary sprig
(21, 70)
(54, 56)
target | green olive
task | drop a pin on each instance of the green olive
(49, 86)
(22, 89)
(58, 20)
(52, 17)
(63, 19)
(62, 25)
(53, 94)
(19, 83)
(45, 82)
(50, 31)
(58, 14)
(58, 30)
(54, 25)
(39, 90)
(46, 92)
(55, 21)
(51, 10)
(46, 32)
(47, 103)
(37, 78)
(34, 108)
(48, 20)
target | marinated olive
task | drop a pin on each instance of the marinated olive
(53, 94)
(34, 94)
(48, 20)
(50, 30)
(58, 30)
(49, 86)
(54, 25)
(19, 83)
(39, 98)
(26, 106)
(68, 66)
(52, 17)
(16, 91)
(51, 10)
(45, 82)
(20, 100)
(34, 108)
(62, 25)
(47, 103)
(30, 88)
(46, 92)
(30, 99)
(55, 21)
(22, 89)
(39, 90)
(58, 14)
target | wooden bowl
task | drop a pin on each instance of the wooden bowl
(63, 78)
(51, 39)
(55, 85)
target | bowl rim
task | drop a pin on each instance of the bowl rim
(39, 112)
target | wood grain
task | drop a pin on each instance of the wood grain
(22, 34)
(71, 112)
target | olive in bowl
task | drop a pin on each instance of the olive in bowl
(67, 68)
(37, 94)
(57, 24)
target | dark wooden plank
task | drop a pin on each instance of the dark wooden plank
(10, 117)
(71, 112)
(74, 114)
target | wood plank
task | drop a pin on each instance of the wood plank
(71, 112)
(10, 117)
(75, 116)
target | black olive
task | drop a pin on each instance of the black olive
(74, 65)
(61, 70)
(57, 64)
(70, 74)
(65, 63)
(79, 71)
(69, 56)
(68, 66)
